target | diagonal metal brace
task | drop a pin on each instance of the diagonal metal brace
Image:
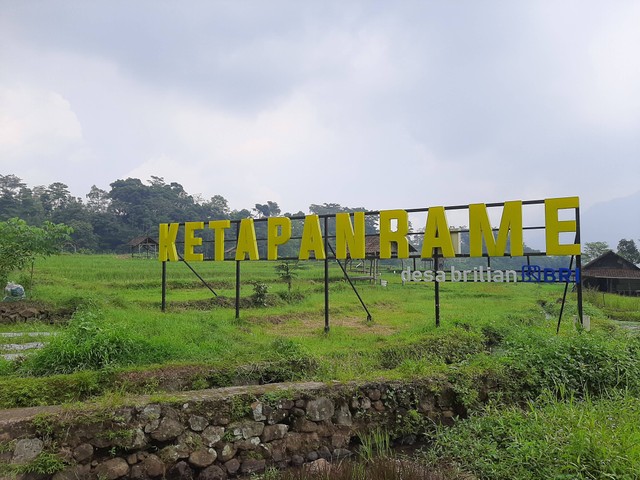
(198, 275)
(346, 275)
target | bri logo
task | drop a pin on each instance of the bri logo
(537, 274)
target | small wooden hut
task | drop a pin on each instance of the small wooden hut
(613, 274)
(144, 247)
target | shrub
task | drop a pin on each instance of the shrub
(90, 343)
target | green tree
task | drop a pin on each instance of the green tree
(269, 209)
(10, 187)
(592, 250)
(287, 272)
(628, 249)
(21, 244)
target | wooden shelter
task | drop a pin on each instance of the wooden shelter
(613, 274)
(143, 246)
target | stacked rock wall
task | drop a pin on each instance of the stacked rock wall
(216, 434)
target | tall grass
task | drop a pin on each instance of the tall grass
(551, 438)
(91, 343)
(617, 307)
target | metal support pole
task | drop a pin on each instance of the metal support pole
(237, 288)
(326, 275)
(237, 276)
(164, 286)
(579, 268)
(564, 298)
(436, 289)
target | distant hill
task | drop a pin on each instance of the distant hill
(611, 221)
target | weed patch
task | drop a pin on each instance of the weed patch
(551, 438)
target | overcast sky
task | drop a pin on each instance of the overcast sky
(376, 104)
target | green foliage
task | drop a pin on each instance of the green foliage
(91, 343)
(450, 346)
(628, 250)
(592, 250)
(615, 306)
(29, 391)
(44, 464)
(260, 290)
(286, 270)
(21, 244)
(552, 438)
(376, 443)
(585, 364)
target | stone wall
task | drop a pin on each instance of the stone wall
(217, 434)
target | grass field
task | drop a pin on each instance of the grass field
(119, 341)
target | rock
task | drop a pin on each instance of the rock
(150, 412)
(26, 450)
(297, 412)
(169, 454)
(312, 456)
(197, 423)
(212, 472)
(83, 452)
(228, 452)
(374, 394)
(132, 459)
(274, 432)
(320, 409)
(446, 398)
(136, 441)
(187, 443)
(297, 460)
(232, 466)
(180, 471)
(137, 472)
(212, 435)
(342, 415)
(303, 425)
(246, 429)
(154, 467)
(324, 452)
(277, 416)
(112, 469)
(203, 457)
(325, 428)
(339, 440)
(275, 450)
(256, 410)
(152, 425)
(341, 453)
(426, 404)
(318, 467)
(248, 444)
(252, 465)
(378, 405)
(69, 473)
(301, 442)
(167, 430)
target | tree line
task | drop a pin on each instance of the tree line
(104, 221)
(627, 249)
